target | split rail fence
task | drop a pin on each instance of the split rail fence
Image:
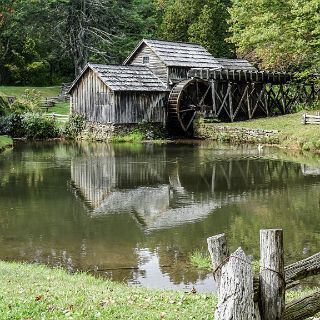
(311, 119)
(243, 296)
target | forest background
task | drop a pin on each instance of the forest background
(46, 42)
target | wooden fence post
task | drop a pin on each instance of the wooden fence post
(272, 277)
(236, 289)
(219, 252)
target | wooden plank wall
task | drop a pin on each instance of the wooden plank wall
(155, 64)
(134, 107)
(177, 74)
(92, 98)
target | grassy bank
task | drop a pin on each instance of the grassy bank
(5, 142)
(18, 91)
(292, 134)
(37, 292)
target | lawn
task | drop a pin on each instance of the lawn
(38, 292)
(61, 108)
(292, 133)
(17, 91)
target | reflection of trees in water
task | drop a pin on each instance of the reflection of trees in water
(288, 210)
(163, 197)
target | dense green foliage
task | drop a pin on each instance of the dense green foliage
(74, 126)
(44, 42)
(278, 34)
(47, 42)
(29, 126)
(204, 22)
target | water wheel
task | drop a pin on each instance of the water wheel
(186, 99)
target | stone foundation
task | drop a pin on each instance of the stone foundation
(214, 131)
(103, 132)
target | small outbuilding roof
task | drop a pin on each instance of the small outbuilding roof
(178, 54)
(125, 78)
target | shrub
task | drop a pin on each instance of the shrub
(37, 126)
(30, 101)
(12, 125)
(4, 106)
(28, 125)
(74, 126)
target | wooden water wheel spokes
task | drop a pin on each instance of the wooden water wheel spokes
(188, 98)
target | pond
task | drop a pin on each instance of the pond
(135, 212)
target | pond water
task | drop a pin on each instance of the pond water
(135, 212)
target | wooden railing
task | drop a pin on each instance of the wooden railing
(58, 117)
(311, 119)
(244, 296)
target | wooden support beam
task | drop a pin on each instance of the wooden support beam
(219, 253)
(272, 281)
(303, 269)
(303, 308)
(230, 101)
(236, 289)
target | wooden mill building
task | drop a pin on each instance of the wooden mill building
(139, 89)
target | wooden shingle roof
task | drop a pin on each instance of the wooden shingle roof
(179, 54)
(125, 78)
(236, 64)
(192, 55)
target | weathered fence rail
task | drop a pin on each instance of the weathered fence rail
(244, 296)
(56, 116)
(311, 119)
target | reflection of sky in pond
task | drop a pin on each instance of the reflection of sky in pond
(136, 212)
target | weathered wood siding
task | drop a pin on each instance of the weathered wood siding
(155, 64)
(93, 99)
(177, 74)
(134, 107)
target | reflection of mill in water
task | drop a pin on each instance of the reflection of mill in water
(161, 188)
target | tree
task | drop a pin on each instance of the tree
(210, 29)
(204, 22)
(283, 35)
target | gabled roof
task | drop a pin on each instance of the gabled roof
(124, 78)
(236, 64)
(178, 54)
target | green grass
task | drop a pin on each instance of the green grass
(200, 259)
(292, 134)
(135, 136)
(5, 142)
(38, 292)
(18, 91)
(60, 108)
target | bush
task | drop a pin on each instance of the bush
(4, 106)
(74, 126)
(37, 126)
(29, 126)
(30, 101)
(306, 106)
(12, 126)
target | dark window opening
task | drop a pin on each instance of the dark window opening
(146, 59)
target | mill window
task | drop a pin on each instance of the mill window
(146, 59)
